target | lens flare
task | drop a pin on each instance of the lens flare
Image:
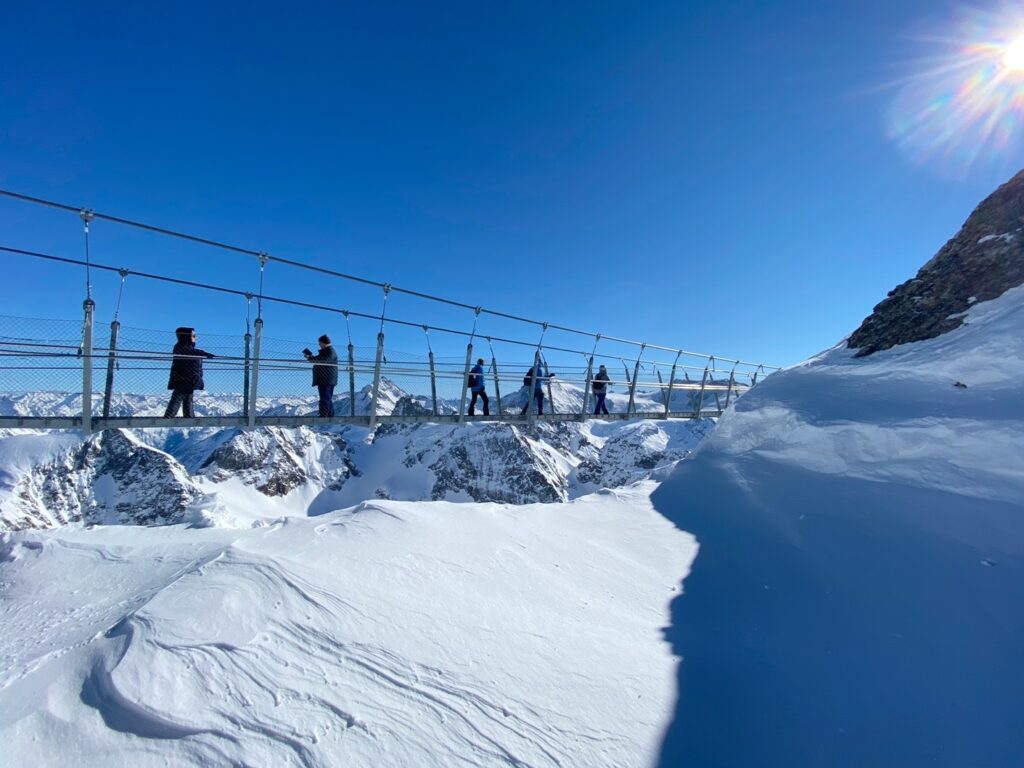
(963, 103)
(1013, 56)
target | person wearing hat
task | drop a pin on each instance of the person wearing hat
(476, 386)
(600, 386)
(325, 374)
(186, 373)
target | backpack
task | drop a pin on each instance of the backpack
(528, 378)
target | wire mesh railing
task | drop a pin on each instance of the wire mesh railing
(252, 377)
(45, 365)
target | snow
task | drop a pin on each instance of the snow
(390, 633)
(1005, 237)
(858, 595)
(856, 600)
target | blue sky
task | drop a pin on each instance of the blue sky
(716, 176)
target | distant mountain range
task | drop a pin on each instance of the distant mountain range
(391, 399)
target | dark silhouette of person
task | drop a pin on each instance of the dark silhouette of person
(538, 389)
(600, 387)
(325, 374)
(186, 373)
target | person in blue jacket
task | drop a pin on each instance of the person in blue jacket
(477, 387)
(538, 389)
(186, 373)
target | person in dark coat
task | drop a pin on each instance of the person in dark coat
(325, 374)
(538, 389)
(186, 373)
(477, 387)
(600, 386)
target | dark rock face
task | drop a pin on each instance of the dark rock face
(275, 460)
(630, 455)
(407, 406)
(983, 260)
(498, 464)
(267, 459)
(111, 478)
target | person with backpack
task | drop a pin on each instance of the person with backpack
(325, 374)
(600, 387)
(538, 389)
(477, 387)
(186, 373)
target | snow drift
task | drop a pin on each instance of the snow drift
(858, 598)
(389, 634)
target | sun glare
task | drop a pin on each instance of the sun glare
(1013, 56)
(965, 101)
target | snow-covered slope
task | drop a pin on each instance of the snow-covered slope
(858, 599)
(390, 634)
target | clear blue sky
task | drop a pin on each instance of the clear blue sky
(713, 175)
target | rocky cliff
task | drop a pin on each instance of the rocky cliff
(179, 475)
(984, 259)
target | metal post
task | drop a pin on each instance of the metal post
(631, 408)
(700, 398)
(586, 387)
(732, 381)
(497, 385)
(246, 374)
(89, 306)
(108, 390)
(254, 381)
(551, 397)
(376, 380)
(433, 383)
(661, 382)
(714, 370)
(351, 379)
(465, 382)
(671, 383)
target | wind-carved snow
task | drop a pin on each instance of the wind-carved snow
(392, 633)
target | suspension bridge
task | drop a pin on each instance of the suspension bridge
(66, 373)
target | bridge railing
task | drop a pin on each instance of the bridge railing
(45, 366)
(256, 377)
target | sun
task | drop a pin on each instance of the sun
(1013, 55)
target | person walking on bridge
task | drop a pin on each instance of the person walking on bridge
(600, 386)
(325, 374)
(538, 388)
(477, 387)
(186, 373)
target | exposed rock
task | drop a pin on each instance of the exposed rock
(277, 460)
(409, 406)
(115, 477)
(633, 452)
(983, 260)
(499, 463)
(110, 478)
